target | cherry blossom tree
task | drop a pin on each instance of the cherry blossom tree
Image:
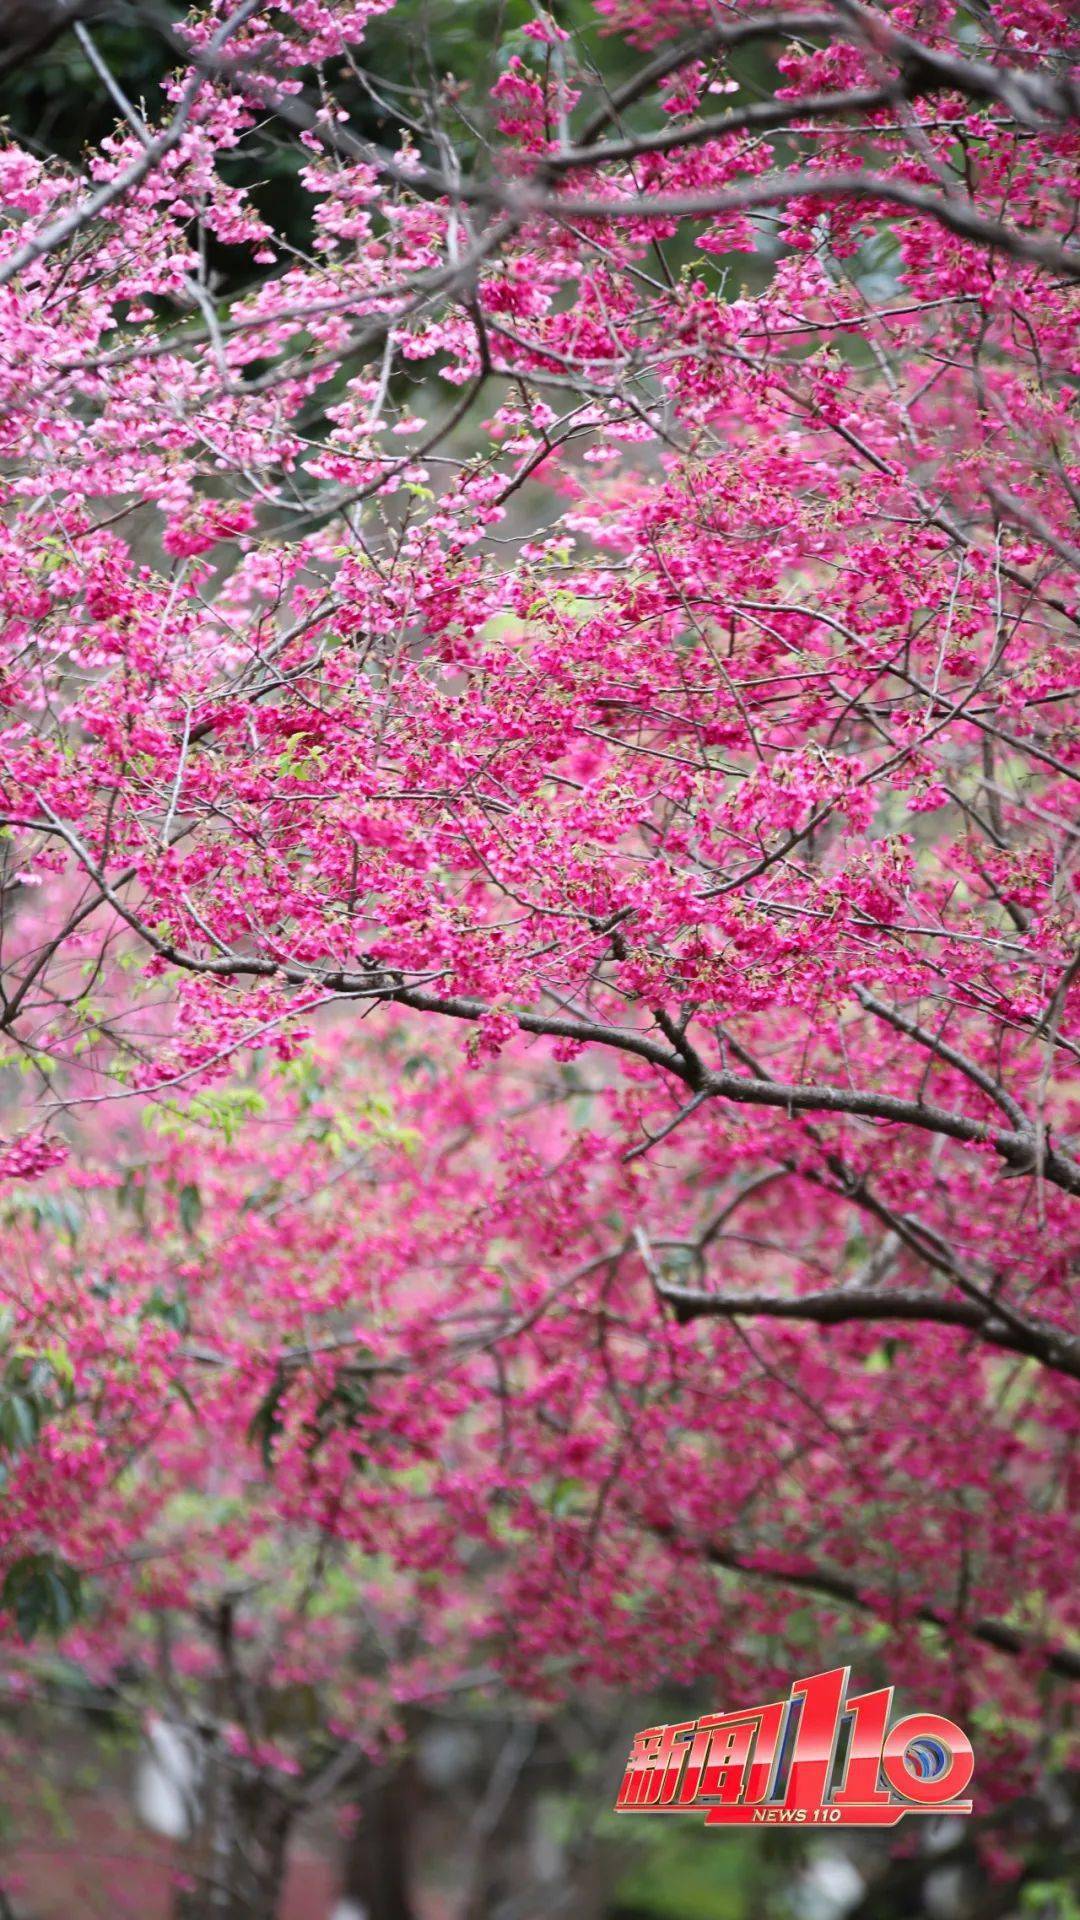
(538, 863)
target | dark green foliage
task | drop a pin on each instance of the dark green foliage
(33, 1388)
(267, 1422)
(42, 1592)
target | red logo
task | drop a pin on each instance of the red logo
(820, 1757)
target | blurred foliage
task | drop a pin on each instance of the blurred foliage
(33, 1388)
(43, 1594)
(688, 1874)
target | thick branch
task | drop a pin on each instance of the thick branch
(1018, 1149)
(957, 216)
(934, 1044)
(1031, 98)
(1035, 1339)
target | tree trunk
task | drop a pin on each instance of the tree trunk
(375, 1877)
(235, 1859)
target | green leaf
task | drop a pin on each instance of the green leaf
(566, 1497)
(20, 1422)
(170, 1309)
(42, 1591)
(190, 1207)
(267, 1421)
(340, 1410)
(59, 1360)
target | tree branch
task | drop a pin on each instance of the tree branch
(1060, 1661)
(79, 216)
(957, 217)
(969, 1068)
(760, 117)
(715, 39)
(1022, 1150)
(1036, 1340)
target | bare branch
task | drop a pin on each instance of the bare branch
(761, 117)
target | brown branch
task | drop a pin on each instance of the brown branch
(957, 217)
(934, 1044)
(1036, 1340)
(928, 1246)
(1032, 99)
(714, 39)
(1020, 1149)
(761, 117)
(1060, 1661)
